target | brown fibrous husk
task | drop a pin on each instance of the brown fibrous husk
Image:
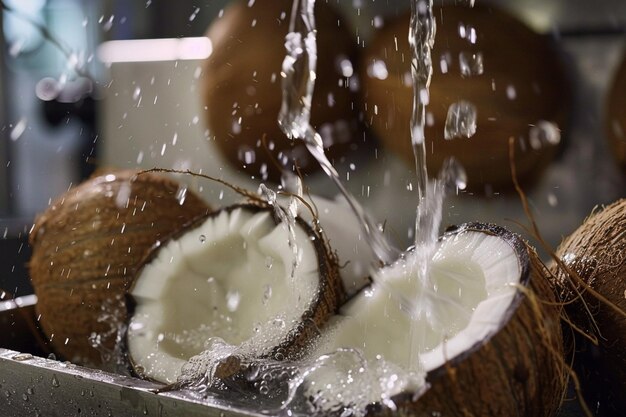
(591, 277)
(86, 248)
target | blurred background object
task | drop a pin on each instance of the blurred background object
(616, 113)
(483, 92)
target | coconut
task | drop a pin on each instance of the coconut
(242, 277)
(86, 249)
(596, 253)
(616, 115)
(483, 339)
(482, 59)
(241, 88)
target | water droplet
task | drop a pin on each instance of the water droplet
(55, 381)
(264, 389)
(269, 262)
(232, 300)
(544, 133)
(452, 174)
(181, 194)
(552, 200)
(468, 32)
(511, 92)
(20, 356)
(345, 66)
(136, 93)
(24, 397)
(461, 120)
(19, 129)
(202, 238)
(246, 154)
(267, 294)
(194, 14)
(471, 63)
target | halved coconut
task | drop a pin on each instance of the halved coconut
(237, 275)
(477, 338)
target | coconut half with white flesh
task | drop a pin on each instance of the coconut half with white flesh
(240, 275)
(478, 337)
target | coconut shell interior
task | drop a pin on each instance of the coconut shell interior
(329, 294)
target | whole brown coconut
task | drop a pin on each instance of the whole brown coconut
(86, 248)
(596, 251)
(616, 115)
(510, 74)
(242, 89)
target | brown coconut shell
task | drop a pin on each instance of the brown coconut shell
(330, 296)
(616, 115)
(86, 248)
(241, 79)
(517, 371)
(514, 57)
(596, 252)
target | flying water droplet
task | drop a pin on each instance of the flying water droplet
(246, 154)
(453, 174)
(544, 133)
(461, 120)
(232, 300)
(193, 15)
(267, 294)
(19, 129)
(471, 64)
(181, 194)
(378, 69)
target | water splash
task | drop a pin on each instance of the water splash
(471, 64)
(298, 82)
(287, 218)
(461, 120)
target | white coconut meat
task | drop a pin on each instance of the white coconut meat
(228, 278)
(403, 323)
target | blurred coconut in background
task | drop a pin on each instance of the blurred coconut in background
(494, 78)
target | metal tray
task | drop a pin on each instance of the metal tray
(31, 385)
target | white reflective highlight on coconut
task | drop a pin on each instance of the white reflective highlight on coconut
(472, 280)
(228, 268)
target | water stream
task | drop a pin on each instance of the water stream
(298, 83)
